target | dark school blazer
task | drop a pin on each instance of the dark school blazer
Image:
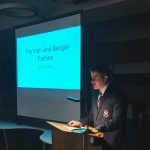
(109, 117)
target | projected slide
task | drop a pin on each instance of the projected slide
(49, 69)
(50, 60)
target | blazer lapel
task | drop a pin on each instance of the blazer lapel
(100, 105)
(102, 101)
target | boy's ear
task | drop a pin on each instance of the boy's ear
(105, 78)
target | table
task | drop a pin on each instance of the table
(45, 137)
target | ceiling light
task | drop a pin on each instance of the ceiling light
(20, 10)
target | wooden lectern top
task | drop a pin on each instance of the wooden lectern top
(64, 127)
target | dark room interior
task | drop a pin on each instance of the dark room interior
(116, 32)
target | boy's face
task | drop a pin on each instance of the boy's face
(98, 80)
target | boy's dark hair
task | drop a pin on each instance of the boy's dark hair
(102, 69)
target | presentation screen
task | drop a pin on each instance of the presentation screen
(48, 62)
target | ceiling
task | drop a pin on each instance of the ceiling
(106, 20)
(94, 10)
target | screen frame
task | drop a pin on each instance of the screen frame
(39, 121)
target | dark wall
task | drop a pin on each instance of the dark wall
(7, 75)
(119, 49)
(116, 42)
(124, 43)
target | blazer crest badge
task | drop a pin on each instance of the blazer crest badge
(105, 113)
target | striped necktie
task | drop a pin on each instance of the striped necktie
(99, 99)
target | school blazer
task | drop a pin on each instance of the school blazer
(109, 117)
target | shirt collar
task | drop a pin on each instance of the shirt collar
(104, 89)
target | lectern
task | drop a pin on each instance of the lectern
(64, 139)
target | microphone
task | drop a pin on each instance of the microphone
(73, 99)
